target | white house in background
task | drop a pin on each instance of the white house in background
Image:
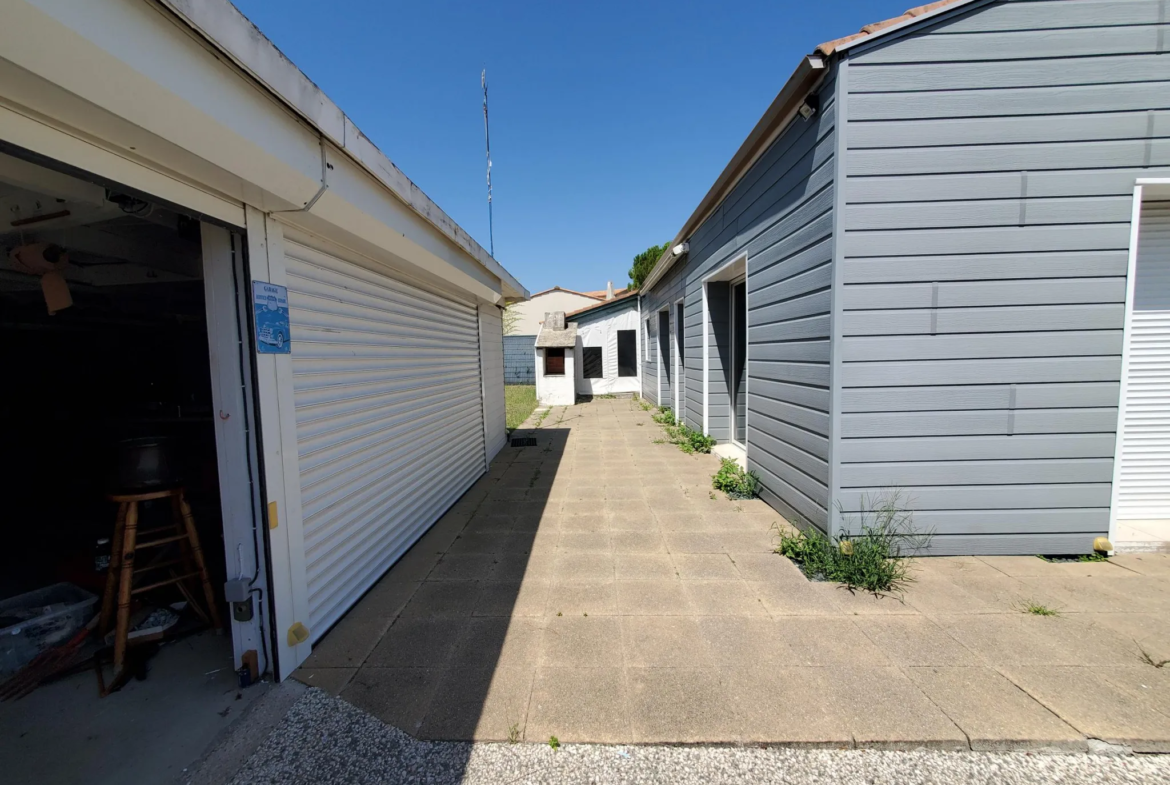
(555, 361)
(525, 317)
(607, 346)
(182, 118)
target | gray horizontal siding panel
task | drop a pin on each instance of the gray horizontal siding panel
(996, 447)
(945, 523)
(986, 497)
(802, 516)
(771, 267)
(795, 351)
(1038, 44)
(993, 154)
(994, 185)
(983, 75)
(1070, 343)
(1065, 264)
(984, 396)
(1014, 544)
(800, 373)
(817, 279)
(983, 421)
(1039, 14)
(1010, 371)
(792, 394)
(1009, 101)
(1010, 158)
(986, 293)
(1093, 237)
(811, 420)
(792, 321)
(801, 492)
(1009, 130)
(812, 473)
(904, 474)
(1024, 318)
(1007, 212)
(816, 207)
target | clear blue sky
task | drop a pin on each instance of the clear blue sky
(610, 120)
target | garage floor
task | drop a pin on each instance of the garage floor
(150, 731)
(591, 589)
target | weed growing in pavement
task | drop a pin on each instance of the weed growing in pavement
(664, 416)
(1149, 660)
(735, 481)
(554, 742)
(874, 559)
(514, 733)
(640, 401)
(1082, 557)
(1036, 609)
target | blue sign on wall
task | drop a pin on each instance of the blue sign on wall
(270, 302)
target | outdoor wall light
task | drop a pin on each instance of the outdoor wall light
(810, 106)
(680, 249)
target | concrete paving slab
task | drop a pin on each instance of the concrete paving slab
(331, 680)
(579, 598)
(915, 640)
(746, 642)
(478, 705)
(824, 641)
(512, 599)
(1087, 701)
(885, 710)
(442, 600)
(417, 643)
(397, 696)
(644, 566)
(995, 714)
(663, 597)
(664, 642)
(786, 705)
(723, 598)
(582, 642)
(680, 705)
(579, 705)
(704, 566)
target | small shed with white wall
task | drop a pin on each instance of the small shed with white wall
(554, 361)
(607, 346)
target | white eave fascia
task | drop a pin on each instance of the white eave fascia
(224, 27)
(778, 116)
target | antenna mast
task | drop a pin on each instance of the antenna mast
(487, 139)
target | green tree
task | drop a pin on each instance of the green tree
(644, 263)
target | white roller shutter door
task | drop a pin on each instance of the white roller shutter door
(389, 413)
(1144, 475)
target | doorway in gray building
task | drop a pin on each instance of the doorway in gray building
(739, 362)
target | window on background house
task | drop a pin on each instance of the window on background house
(627, 352)
(554, 362)
(591, 363)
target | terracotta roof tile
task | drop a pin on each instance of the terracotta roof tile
(828, 47)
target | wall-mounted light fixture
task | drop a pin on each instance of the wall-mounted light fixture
(680, 249)
(810, 106)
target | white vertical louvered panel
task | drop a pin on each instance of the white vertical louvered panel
(1144, 475)
(491, 341)
(389, 412)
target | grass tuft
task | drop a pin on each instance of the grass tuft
(1034, 608)
(735, 481)
(554, 742)
(873, 559)
(519, 402)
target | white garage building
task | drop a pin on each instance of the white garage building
(335, 457)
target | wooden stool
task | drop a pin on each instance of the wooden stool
(120, 579)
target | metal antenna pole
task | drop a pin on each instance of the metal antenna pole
(487, 139)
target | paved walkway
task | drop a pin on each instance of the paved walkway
(591, 588)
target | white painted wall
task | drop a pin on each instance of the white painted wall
(532, 311)
(556, 390)
(491, 358)
(603, 332)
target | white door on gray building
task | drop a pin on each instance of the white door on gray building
(1143, 492)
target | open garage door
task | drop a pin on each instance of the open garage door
(389, 414)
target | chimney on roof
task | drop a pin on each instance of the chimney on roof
(555, 320)
(609, 291)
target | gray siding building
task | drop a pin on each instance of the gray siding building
(917, 273)
(519, 359)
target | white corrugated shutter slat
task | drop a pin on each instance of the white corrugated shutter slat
(1144, 474)
(389, 416)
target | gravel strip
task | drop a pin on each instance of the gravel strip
(326, 740)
